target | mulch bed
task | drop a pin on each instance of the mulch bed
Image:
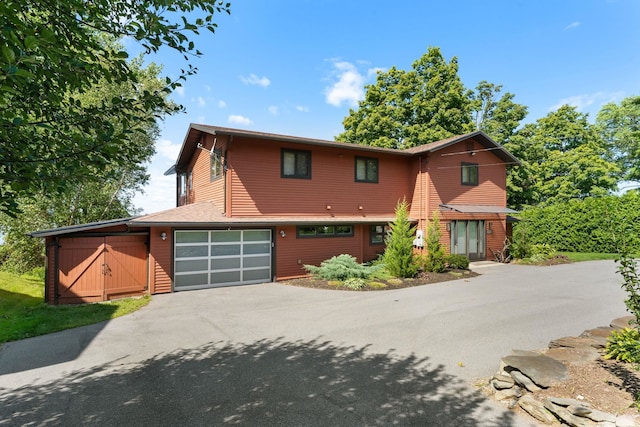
(421, 279)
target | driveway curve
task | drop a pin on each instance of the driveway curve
(273, 354)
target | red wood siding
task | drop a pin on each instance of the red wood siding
(445, 178)
(203, 188)
(258, 189)
(160, 260)
(292, 253)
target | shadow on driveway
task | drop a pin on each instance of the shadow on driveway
(269, 382)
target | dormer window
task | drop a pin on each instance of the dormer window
(216, 164)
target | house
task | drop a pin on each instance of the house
(254, 207)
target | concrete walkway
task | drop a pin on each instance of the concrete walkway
(278, 355)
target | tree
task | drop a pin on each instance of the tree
(399, 258)
(619, 125)
(563, 157)
(51, 53)
(409, 108)
(498, 118)
(435, 253)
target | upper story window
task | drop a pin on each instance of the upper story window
(216, 164)
(183, 184)
(296, 164)
(469, 174)
(366, 169)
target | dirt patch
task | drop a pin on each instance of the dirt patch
(421, 279)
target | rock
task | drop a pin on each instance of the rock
(525, 353)
(621, 322)
(625, 421)
(579, 410)
(573, 342)
(600, 417)
(541, 369)
(574, 356)
(508, 393)
(524, 381)
(500, 382)
(601, 332)
(566, 416)
(563, 401)
(536, 409)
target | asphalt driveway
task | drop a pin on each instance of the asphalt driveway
(277, 355)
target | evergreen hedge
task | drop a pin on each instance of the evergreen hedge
(596, 224)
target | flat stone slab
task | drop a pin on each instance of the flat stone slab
(541, 369)
(574, 356)
(621, 322)
(575, 342)
(602, 332)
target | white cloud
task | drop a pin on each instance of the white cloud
(159, 194)
(222, 104)
(239, 120)
(201, 119)
(273, 109)
(167, 149)
(201, 102)
(180, 90)
(207, 88)
(348, 84)
(588, 101)
(255, 80)
(572, 26)
(302, 108)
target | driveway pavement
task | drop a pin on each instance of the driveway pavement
(278, 355)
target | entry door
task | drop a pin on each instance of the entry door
(468, 238)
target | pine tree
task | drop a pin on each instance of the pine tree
(399, 258)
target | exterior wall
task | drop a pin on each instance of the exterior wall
(160, 260)
(257, 187)
(291, 252)
(202, 187)
(445, 178)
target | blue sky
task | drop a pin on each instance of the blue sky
(296, 67)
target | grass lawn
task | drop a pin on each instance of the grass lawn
(24, 314)
(588, 256)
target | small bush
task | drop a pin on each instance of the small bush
(457, 261)
(624, 345)
(341, 267)
(377, 285)
(542, 250)
(519, 246)
(355, 283)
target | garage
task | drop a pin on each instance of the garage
(213, 258)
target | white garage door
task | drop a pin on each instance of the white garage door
(209, 258)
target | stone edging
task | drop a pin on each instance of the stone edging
(525, 372)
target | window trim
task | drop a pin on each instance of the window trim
(373, 233)
(296, 153)
(471, 167)
(216, 155)
(366, 169)
(317, 235)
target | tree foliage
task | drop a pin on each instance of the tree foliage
(408, 108)
(398, 257)
(563, 157)
(51, 54)
(435, 259)
(619, 125)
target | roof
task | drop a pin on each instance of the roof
(478, 208)
(80, 227)
(195, 131)
(478, 136)
(208, 214)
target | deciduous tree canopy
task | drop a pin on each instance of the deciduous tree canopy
(51, 54)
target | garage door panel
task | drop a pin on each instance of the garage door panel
(232, 257)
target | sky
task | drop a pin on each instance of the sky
(296, 67)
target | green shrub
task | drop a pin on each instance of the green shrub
(624, 345)
(377, 285)
(519, 247)
(457, 261)
(434, 261)
(355, 283)
(341, 267)
(399, 258)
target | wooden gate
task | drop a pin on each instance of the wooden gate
(101, 268)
